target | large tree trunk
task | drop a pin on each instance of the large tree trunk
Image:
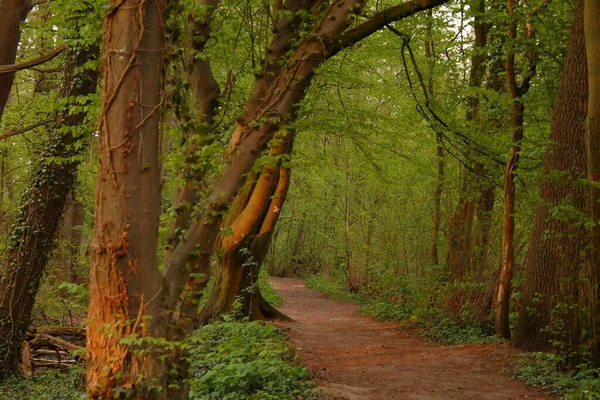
(33, 234)
(592, 144)
(554, 258)
(13, 12)
(125, 282)
(251, 220)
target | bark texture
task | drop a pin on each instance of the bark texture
(251, 221)
(551, 293)
(516, 91)
(33, 234)
(592, 145)
(13, 12)
(125, 311)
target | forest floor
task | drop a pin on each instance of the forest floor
(355, 357)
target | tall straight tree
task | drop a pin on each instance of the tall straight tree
(125, 282)
(592, 146)
(554, 257)
(516, 90)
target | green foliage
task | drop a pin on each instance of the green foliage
(444, 330)
(236, 360)
(267, 291)
(51, 385)
(230, 360)
(546, 370)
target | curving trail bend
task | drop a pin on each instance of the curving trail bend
(357, 358)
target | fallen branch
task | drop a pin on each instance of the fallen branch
(45, 340)
(11, 68)
(57, 331)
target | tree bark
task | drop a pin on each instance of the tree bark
(437, 201)
(188, 268)
(592, 145)
(550, 292)
(34, 232)
(252, 221)
(206, 92)
(126, 312)
(13, 12)
(516, 91)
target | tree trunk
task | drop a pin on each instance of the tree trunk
(504, 290)
(33, 234)
(459, 239)
(206, 93)
(297, 258)
(517, 91)
(437, 201)
(13, 12)
(592, 145)
(126, 313)
(251, 220)
(550, 292)
(70, 234)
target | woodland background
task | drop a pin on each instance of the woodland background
(442, 171)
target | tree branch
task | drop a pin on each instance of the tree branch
(23, 130)
(381, 19)
(10, 68)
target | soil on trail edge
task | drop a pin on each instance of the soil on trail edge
(356, 358)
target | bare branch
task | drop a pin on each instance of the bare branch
(23, 130)
(381, 19)
(10, 68)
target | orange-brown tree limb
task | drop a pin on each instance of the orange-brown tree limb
(23, 130)
(189, 266)
(11, 68)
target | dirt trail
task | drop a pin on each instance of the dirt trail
(355, 357)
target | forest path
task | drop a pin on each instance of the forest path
(354, 357)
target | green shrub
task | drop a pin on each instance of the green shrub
(544, 369)
(236, 360)
(384, 310)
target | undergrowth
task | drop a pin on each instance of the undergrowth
(230, 360)
(49, 385)
(233, 360)
(408, 302)
(545, 370)
(267, 291)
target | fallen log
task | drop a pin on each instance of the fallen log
(45, 340)
(71, 332)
